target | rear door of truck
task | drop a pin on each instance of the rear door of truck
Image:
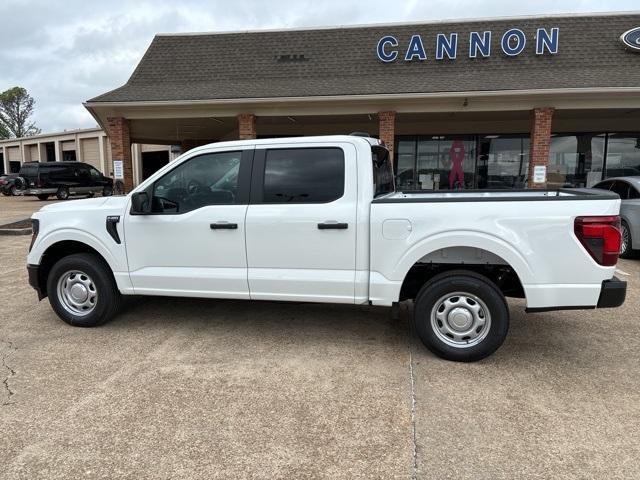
(301, 222)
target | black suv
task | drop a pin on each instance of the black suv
(63, 179)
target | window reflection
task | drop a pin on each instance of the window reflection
(575, 160)
(623, 155)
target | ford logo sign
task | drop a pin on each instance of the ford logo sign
(631, 38)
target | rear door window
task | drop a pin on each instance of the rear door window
(303, 175)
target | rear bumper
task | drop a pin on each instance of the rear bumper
(34, 279)
(612, 294)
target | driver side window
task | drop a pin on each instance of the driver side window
(210, 179)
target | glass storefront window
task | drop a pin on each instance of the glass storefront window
(503, 161)
(406, 163)
(575, 160)
(450, 162)
(623, 155)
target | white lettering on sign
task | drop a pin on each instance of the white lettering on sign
(512, 43)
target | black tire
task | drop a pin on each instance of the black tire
(107, 191)
(43, 197)
(108, 299)
(433, 334)
(13, 191)
(62, 193)
(627, 252)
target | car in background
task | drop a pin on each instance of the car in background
(11, 184)
(629, 190)
(63, 179)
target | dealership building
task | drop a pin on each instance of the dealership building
(521, 102)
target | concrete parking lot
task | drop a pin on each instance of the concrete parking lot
(17, 208)
(179, 388)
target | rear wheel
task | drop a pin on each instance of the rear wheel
(62, 193)
(625, 242)
(461, 316)
(43, 197)
(82, 290)
(13, 190)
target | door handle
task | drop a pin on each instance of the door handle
(333, 226)
(223, 226)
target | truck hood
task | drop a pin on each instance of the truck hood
(85, 204)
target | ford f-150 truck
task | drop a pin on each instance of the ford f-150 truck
(318, 219)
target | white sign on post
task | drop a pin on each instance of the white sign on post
(117, 169)
(539, 174)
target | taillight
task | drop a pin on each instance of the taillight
(601, 237)
(3, 181)
(40, 184)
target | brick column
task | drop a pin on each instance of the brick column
(387, 130)
(246, 126)
(120, 138)
(187, 145)
(541, 119)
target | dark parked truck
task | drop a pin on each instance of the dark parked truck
(63, 179)
(318, 219)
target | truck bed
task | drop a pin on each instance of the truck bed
(497, 195)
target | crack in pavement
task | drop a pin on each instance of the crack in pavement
(11, 372)
(414, 439)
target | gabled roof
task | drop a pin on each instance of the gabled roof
(343, 61)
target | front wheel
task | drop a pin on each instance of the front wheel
(82, 290)
(107, 191)
(43, 197)
(461, 316)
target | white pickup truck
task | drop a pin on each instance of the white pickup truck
(318, 219)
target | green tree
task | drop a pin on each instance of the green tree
(16, 106)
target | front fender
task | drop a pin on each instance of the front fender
(72, 234)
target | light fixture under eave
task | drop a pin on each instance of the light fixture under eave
(465, 103)
(216, 120)
(291, 119)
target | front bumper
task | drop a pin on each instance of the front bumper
(34, 279)
(613, 293)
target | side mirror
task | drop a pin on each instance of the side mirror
(140, 203)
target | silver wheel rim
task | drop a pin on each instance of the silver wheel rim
(460, 319)
(625, 239)
(77, 293)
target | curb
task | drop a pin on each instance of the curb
(15, 231)
(7, 230)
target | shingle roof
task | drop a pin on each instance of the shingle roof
(343, 61)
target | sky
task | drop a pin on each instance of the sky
(67, 52)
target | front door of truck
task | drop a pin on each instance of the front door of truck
(301, 223)
(191, 243)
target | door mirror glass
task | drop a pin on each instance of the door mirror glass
(140, 203)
